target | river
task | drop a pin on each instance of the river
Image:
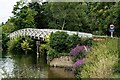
(26, 66)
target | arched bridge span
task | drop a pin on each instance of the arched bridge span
(41, 33)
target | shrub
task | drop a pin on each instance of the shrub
(86, 41)
(14, 46)
(79, 52)
(18, 45)
(75, 51)
(58, 41)
(72, 41)
(5, 39)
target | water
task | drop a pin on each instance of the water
(26, 66)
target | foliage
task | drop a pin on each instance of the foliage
(89, 17)
(23, 15)
(40, 20)
(25, 46)
(5, 39)
(100, 64)
(78, 49)
(8, 27)
(0, 33)
(61, 16)
(14, 46)
(21, 44)
(28, 15)
(45, 48)
(86, 41)
(0, 30)
(78, 53)
(58, 41)
(72, 41)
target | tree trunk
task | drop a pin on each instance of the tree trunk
(63, 24)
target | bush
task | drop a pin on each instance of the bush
(5, 39)
(21, 45)
(14, 46)
(87, 41)
(58, 41)
(79, 52)
(72, 41)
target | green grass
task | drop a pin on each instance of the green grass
(101, 61)
(116, 75)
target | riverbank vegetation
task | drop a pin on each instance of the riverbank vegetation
(101, 62)
(60, 43)
(21, 44)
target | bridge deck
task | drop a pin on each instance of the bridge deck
(41, 33)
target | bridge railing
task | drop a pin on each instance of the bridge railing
(43, 32)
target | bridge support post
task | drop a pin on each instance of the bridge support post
(37, 43)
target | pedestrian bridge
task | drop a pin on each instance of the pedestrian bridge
(41, 33)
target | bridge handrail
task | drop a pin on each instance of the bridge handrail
(43, 32)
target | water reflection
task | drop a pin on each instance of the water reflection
(26, 66)
(6, 67)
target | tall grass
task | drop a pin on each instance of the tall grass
(101, 61)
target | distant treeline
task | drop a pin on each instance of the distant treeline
(92, 17)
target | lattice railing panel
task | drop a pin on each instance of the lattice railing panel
(43, 32)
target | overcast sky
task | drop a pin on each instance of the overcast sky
(6, 7)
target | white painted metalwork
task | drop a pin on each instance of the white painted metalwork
(41, 33)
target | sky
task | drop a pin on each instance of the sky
(6, 7)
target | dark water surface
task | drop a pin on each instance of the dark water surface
(27, 66)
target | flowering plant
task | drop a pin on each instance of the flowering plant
(75, 51)
(78, 62)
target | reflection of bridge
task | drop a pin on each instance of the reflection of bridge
(40, 33)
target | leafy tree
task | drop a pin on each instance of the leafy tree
(40, 20)
(67, 16)
(8, 27)
(117, 9)
(23, 16)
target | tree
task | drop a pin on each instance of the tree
(8, 27)
(40, 20)
(117, 9)
(68, 16)
(23, 16)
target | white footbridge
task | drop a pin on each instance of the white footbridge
(41, 33)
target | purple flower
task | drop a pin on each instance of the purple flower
(77, 63)
(78, 49)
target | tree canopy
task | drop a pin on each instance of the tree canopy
(91, 17)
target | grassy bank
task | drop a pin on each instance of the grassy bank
(101, 62)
